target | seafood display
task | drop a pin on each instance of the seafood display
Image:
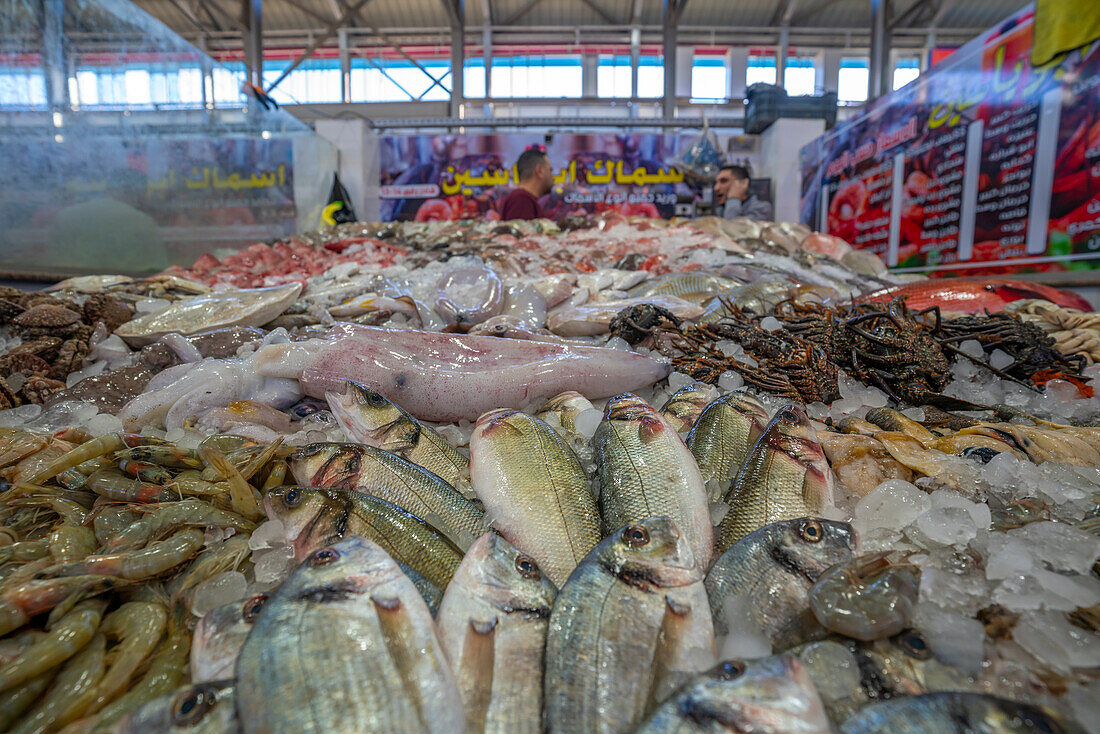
(606, 475)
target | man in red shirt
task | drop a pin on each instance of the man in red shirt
(536, 178)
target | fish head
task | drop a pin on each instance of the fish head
(768, 694)
(630, 410)
(494, 570)
(650, 553)
(809, 546)
(310, 516)
(327, 464)
(748, 406)
(340, 571)
(202, 707)
(500, 422)
(219, 635)
(906, 665)
(362, 413)
(568, 405)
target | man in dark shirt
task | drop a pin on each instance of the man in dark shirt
(732, 198)
(536, 178)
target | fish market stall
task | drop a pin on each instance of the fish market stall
(603, 474)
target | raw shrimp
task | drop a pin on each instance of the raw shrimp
(190, 481)
(138, 626)
(19, 445)
(14, 702)
(241, 497)
(20, 602)
(155, 519)
(91, 450)
(276, 476)
(25, 550)
(227, 556)
(73, 681)
(112, 521)
(71, 542)
(65, 639)
(154, 559)
(114, 485)
(1020, 513)
(172, 457)
(145, 471)
(866, 598)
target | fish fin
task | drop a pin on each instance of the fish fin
(675, 626)
(475, 672)
(401, 437)
(397, 631)
(679, 608)
(462, 539)
(650, 429)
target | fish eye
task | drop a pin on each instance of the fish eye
(191, 705)
(527, 567)
(375, 400)
(292, 497)
(324, 556)
(811, 531)
(1040, 722)
(635, 535)
(252, 607)
(914, 645)
(731, 669)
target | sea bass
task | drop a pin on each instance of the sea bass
(492, 623)
(367, 417)
(389, 477)
(773, 570)
(207, 707)
(346, 644)
(685, 405)
(646, 470)
(771, 695)
(534, 489)
(315, 517)
(785, 476)
(218, 638)
(630, 625)
(722, 437)
(445, 377)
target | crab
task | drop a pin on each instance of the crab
(47, 320)
(637, 322)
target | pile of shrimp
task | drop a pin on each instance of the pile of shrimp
(103, 542)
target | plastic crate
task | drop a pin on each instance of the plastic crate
(767, 103)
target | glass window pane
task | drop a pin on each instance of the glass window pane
(473, 79)
(800, 76)
(709, 78)
(905, 71)
(761, 70)
(651, 77)
(853, 79)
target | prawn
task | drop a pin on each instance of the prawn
(71, 633)
(71, 542)
(241, 496)
(190, 481)
(79, 675)
(150, 561)
(19, 445)
(145, 471)
(111, 521)
(157, 518)
(172, 457)
(276, 476)
(866, 598)
(227, 556)
(114, 485)
(20, 602)
(91, 450)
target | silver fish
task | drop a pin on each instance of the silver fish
(346, 644)
(202, 708)
(492, 624)
(774, 568)
(646, 470)
(219, 636)
(785, 476)
(766, 696)
(958, 712)
(683, 407)
(630, 625)
(722, 437)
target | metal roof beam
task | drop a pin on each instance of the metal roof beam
(511, 19)
(600, 12)
(186, 12)
(912, 13)
(330, 31)
(941, 11)
(297, 5)
(812, 10)
(784, 13)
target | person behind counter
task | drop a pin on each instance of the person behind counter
(732, 197)
(536, 178)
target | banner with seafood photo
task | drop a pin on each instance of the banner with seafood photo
(984, 165)
(450, 177)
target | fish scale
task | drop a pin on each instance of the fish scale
(646, 470)
(722, 437)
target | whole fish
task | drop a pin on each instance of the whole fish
(692, 286)
(685, 405)
(850, 674)
(207, 707)
(492, 624)
(346, 644)
(315, 517)
(367, 417)
(722, 437)
(534, 489)
(774, 568)
(560, 413)
(958, 712)
(218, 638)
(445, 377)
(391, 478)
(646, 470)
(767, 696)
(785, 476)
(595, 317)
(973, 295)
(630, 625)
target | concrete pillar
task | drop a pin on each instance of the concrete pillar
(880, 79)
(830, 69)
(737, 61)
(589, 64)
(780, 146)
(345, 66)
(458, 61)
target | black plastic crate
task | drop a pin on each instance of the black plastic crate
(767, 103)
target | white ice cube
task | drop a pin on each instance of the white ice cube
(1000, 359)
(1060, 545)
(770, 323)
(268, 534)
(973, 347)
(730, 381)
(587, 421)
(956, 639)
(218, 590)
(1051, 638)
(273, 565)
(893, 504)
(676, 380)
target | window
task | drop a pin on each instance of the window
(905, 71)
(314, 80)
(800, 76)
(536, 76)
(399, 80)
(761, 70)
(855, 74)
(651, 76)
(613, 76)
(709, 78)
(228, 78)
(473, 78)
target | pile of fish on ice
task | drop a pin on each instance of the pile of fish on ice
(606, 476)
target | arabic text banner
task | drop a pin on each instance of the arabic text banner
(984, 164)
(443, 177)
